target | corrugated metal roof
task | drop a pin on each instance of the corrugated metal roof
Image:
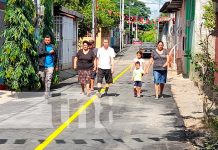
(64, 11)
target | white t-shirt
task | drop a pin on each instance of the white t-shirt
(137, 74)
(142, 62)
(104, 57)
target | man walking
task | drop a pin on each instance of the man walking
(47, 63)
(93, 75)
(105, 64)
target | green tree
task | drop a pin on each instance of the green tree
(136, 7)
(47, 28)
(104, 18)
(148, 36)
(209, 16)
(18, 58)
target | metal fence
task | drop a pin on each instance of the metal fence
(59, 38)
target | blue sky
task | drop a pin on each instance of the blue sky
(154, 6)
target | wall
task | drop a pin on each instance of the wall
(103, 34)
(199, 32)
(200, 28)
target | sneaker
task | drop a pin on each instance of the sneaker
(135, 95)
(156, 97)
(139, 96)
(98, 94)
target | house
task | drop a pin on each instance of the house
(188, 30)
(66, 34)
(173, 34)
(112, 35)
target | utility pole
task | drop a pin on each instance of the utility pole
(122, 23)
(158, 23)
(93, 18)
(136, 33)
(120, 26)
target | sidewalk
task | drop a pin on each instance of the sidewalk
(190, 104)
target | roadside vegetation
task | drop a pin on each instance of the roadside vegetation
(205, 68)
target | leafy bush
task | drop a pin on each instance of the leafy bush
(18, 58)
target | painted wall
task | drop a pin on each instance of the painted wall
(199, 27)
(199, 32)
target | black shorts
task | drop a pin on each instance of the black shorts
(93, 75)
(105, 73)
(137, 83)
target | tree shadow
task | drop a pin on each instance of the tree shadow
(167, 96)
(177, 135)
(63, 84)
(110, 95)
(169, 114)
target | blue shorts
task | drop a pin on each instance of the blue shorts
(160, 76)
(137, 83)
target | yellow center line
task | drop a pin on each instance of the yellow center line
(61, 128)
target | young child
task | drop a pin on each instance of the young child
(137, 78)
(139, 59)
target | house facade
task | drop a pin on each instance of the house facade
(188, 31)
(66, 34)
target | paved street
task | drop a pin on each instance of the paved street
(116, 122)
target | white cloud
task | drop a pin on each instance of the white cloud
(154, 6)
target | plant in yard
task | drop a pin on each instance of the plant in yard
(204, 64)
(18, 57)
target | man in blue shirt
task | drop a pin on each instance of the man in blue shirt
(47, 63)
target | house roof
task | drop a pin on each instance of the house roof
(69, 13)
(171, 6)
